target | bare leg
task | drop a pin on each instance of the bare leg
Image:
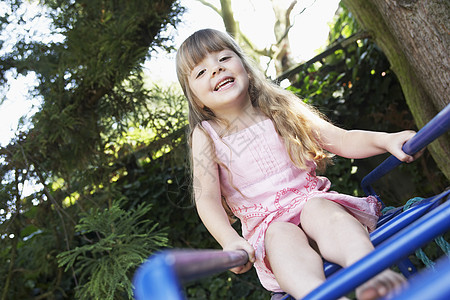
(296, 266)
(343, 240)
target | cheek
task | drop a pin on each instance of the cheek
(196, 85)
(200, 90)
(193, 88)
(194, 97)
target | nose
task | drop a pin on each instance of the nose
(217, 69)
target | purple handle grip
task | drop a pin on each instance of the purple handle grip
(192, 264)
(161, 276)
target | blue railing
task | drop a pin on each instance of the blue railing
(431, 131)
(394, 249)
(162, 276)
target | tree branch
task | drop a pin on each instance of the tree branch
(206, 3)
(333, 47)
(264, 52)
(288, 21)
(228, 18)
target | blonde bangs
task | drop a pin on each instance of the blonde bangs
(198, 46)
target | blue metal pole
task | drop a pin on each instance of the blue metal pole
(156, 279)
(392, 250)
(432, 130)
(193, 264)
(431, 284)
(391, 227)
(162, 275)
(401, 221)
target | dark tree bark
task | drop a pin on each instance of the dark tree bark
(414, 35)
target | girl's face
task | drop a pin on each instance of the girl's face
(220, 82)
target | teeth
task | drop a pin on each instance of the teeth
(222, 83)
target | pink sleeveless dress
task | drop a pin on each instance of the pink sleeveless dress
(274, 189)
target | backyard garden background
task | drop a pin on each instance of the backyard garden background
(106, 150)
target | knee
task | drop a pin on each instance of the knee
(279, 230)
(281, 236)
(323, 210)
(315, 205)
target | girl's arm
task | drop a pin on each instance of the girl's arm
(208, 199)
(361, 144)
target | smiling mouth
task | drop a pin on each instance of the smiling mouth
(223, 83)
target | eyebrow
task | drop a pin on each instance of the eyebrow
(219, 52)
(194, 72)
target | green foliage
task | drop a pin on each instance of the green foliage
(77, 147)
(91, 76)
(102, 135)
(135, 168)
(344, 25)
(123, 240)
(166, 184)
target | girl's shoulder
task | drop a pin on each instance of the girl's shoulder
(206, 129)
(199, 134)
(201, 140)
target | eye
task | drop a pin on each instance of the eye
(224, 58)
(200, 73)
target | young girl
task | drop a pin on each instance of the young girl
(255, 149)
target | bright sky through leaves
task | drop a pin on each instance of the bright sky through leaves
(256, 19)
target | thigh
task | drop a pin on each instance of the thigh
(291, 258)
(340, 236)
(320, 215)
(280, 235)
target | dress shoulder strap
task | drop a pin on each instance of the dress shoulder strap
(210, 130)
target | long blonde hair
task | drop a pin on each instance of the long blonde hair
(292, 117)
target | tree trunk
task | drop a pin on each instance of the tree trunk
(283, 54)
(228, 18)
(413, 34)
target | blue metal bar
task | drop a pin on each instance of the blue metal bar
(432, 130)
(156, 279)
(392, 250)
(390, 227)
(401, 221)
(407, 268)
(431, 284)
(162, 275)
(389, 215)
(193, 264)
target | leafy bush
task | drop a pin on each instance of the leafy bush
(119, 240)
